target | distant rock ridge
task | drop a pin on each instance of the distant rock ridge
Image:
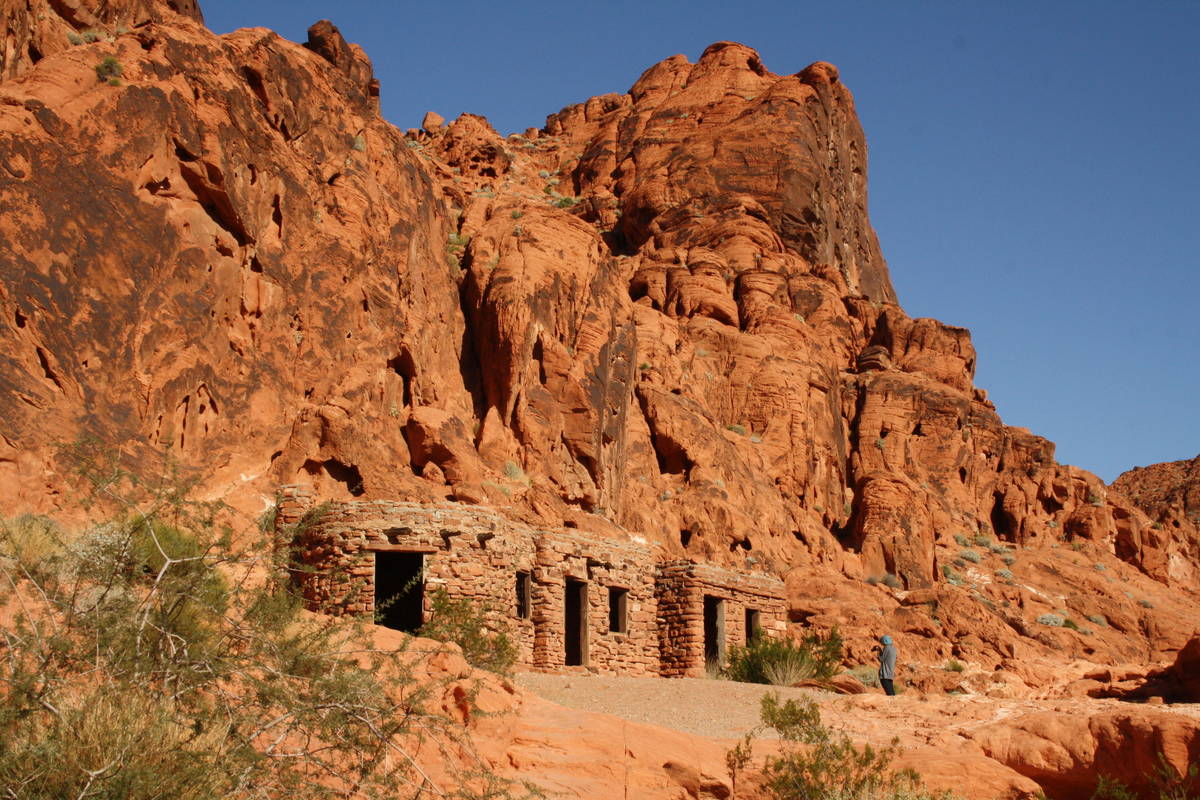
(1169, 493)
(665, 313)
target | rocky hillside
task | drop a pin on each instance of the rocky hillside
(665, 311)
(1169, 493)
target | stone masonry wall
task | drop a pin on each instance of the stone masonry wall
(681, 589)
(475, 553)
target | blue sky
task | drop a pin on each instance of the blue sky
(1034, 173)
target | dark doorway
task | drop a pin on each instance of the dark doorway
(714, 631)
(524, 595)
(753, 624)
(399, 590)
(576, 623)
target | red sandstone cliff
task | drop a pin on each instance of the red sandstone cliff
(666, 310)
(1169, 493)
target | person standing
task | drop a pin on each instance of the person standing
(887, 665)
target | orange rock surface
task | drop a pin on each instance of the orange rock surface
(665, 311)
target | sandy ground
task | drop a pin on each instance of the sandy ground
(699, 706)
(727, 710)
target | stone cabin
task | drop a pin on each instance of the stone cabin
(567, 599)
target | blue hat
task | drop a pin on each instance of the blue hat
(885, 639)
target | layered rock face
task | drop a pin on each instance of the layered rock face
(1169, 493)
(664, 311)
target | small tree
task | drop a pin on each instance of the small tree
(466, 625)
(816, 763)
(149, 657)
(784, 662)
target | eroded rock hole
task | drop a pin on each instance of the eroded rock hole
(685, 537)
(19, 318)
(183, 154)
(51, 375)
(277, 216)
(345, 474)
(1050, 505)
(962, 474)
(255, 81)
(404, 366)
(255, 264)
(1003, 523)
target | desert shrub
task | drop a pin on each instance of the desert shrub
(816, 763)
(1144, 603)
(784, 662)
(149, 657)
(961, 540)
(460, 621)
(1098, 619)
(740, 430)
(984, 540)
(1070, 623)
(1008, 559)
(953, 666)
(513, 471)
(970, 555)
(1053, 620)
(866, 674)
(1005, 574)
(1166, 783)
(109, 69)
(950, 575)
(891, 581)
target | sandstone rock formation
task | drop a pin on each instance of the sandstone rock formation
(1169, 493)
(665, 311)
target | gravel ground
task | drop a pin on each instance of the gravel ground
(699, 706)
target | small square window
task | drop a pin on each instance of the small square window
(618, 610)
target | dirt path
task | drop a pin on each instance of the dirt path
(699, 706)
(727, 710)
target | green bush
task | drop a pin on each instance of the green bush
(109, 70)
(460, 621)
(970, 555)
(816, 763)
(1166, 783)
(866, 674)
(1053, 620)
(148, 658)
(784, 662)
(953, 666)
(962, 540)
